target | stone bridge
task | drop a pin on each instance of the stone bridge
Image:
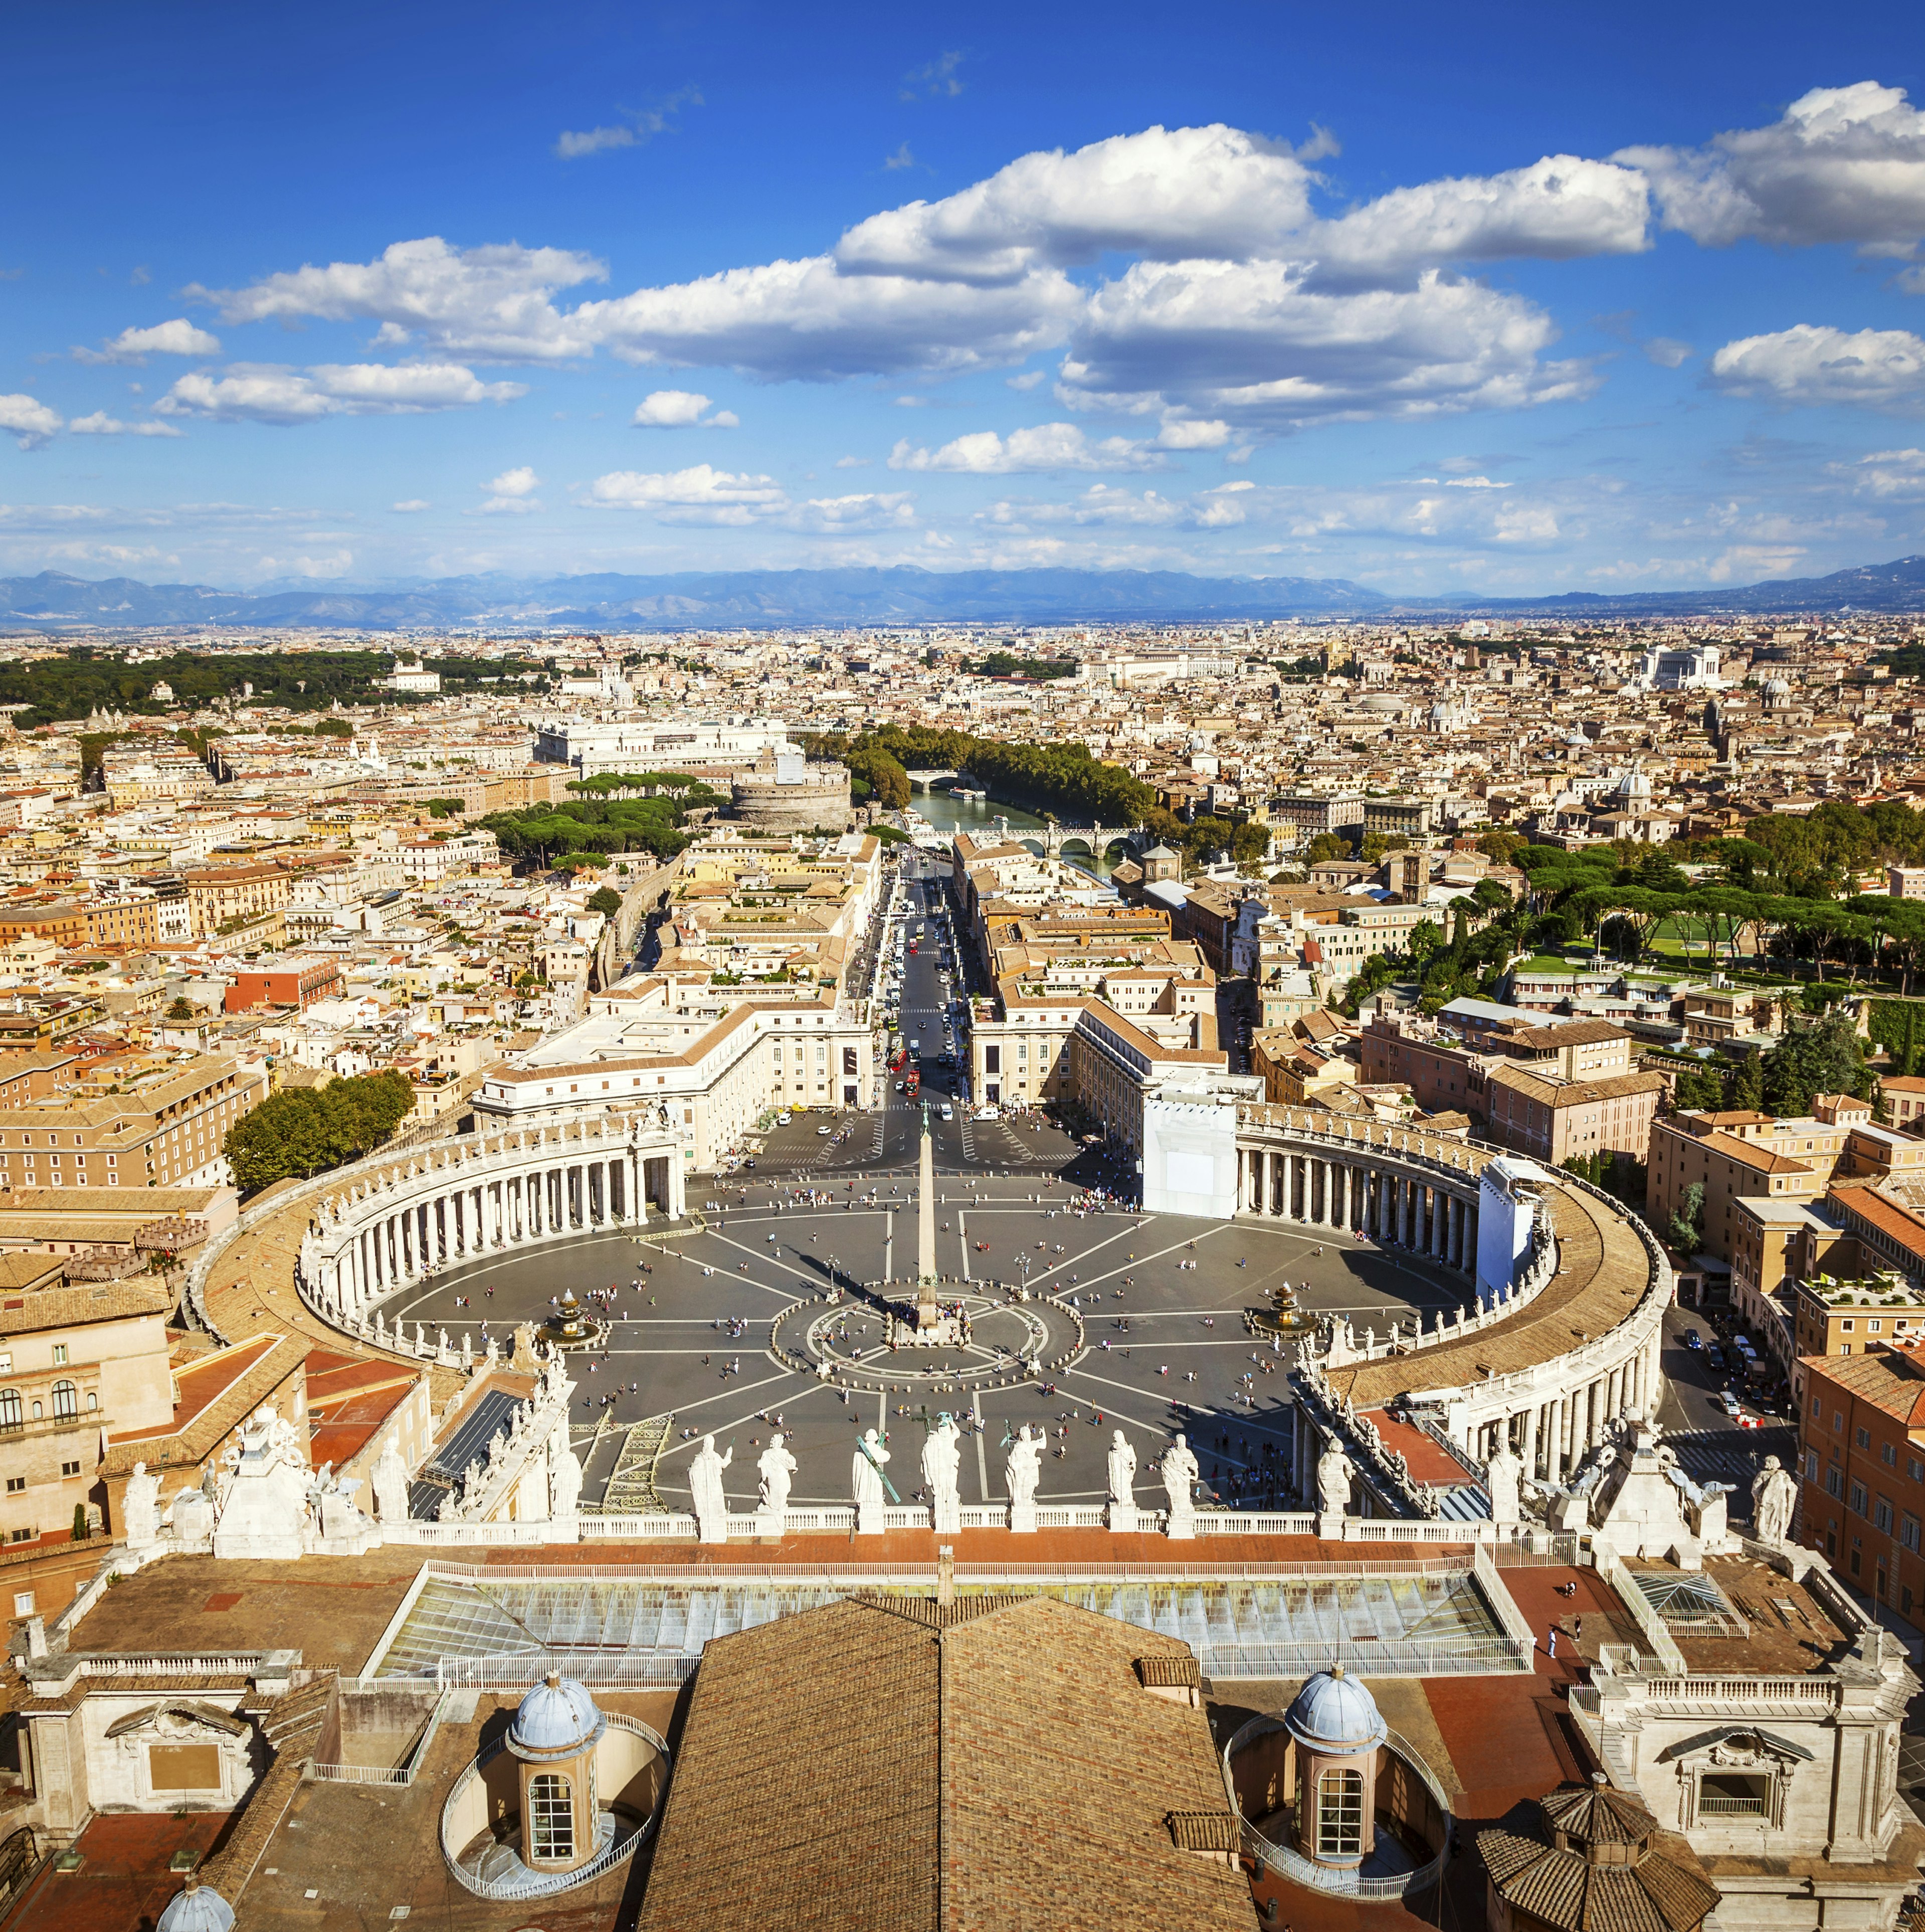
(1097, 840)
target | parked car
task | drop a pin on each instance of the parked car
(783, 1119)
(1715, 1356)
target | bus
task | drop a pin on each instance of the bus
(913, 1084)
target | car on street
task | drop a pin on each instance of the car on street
(825, 1130)
(1727, 1402)
(783, 1119)
(1715, 1356)
(1692, 1339)
(899, 1086)
(948, 1112)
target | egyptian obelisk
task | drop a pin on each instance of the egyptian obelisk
(925, 1232)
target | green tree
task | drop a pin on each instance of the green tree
(1748, 1085)
(1699, 1090)
(605, 900)
(1425, 939)
(82, 1529)
(1686, 1232)
(1325, 846)
(304, 1130)
(181, 1008)
(1825, 1058)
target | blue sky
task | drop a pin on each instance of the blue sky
(1493, 299)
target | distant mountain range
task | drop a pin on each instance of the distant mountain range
(744, 599)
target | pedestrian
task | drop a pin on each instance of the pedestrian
(1551, 1645)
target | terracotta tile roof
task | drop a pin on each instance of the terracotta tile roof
(1890, 1380)
(68, 1307)
(882, 1765)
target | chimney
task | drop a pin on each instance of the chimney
(946, 1576)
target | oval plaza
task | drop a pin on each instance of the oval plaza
(1274, 1521)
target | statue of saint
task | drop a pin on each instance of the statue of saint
(866, 1478)
(777, 1468)
(1023, 1471)
(565, 1477)
(1179, 1472)
(942, 1462)
(1774, 1495)
(1122, 1471)
(140, 1508)
(1502, 1474)
(705, 1484)
(390, 1484)
(1333, 1475)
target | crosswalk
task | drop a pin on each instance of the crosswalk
(1733, 1455)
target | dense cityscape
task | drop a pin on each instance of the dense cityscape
(962, 970)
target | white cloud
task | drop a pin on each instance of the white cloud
(852, 462)
(680, 408)
(1557, 208)
(805, 320)
(100, 423)
(594, 141)
(336, 564)
(178, 337)
(1841, 164)
(670, 409)
(937, 79)
(1897, 474)
(901, 158)
(699, 495)
(28, 421)
(521, 482)
(1251, 344)
(1166, 193)
(409, 505)
(1185, 432)
(1667, 353)
(1103, 505)
(486, 302)
(1028, 380)
(263, 392)
(1048, 446)
(637, 131)
(1474, 483)
(1880, 368)
(835, 516)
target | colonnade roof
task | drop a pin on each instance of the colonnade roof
(1605, 1268)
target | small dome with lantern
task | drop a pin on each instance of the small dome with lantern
(558, 1718)
(1335, 1713)
(196, 1908)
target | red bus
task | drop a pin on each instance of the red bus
(898, 1059)
(913, 1084)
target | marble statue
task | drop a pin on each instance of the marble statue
(1122, 1483)
(1333, 1474)
(1502, 1474)
(1022, 1472)
(942, 1464)
(1774, 1495)
(866, 1470)
(563, 1476)
(493, 1353)
(705, 1484)
(777, 1468)
(391, 1485)
(140, 1509)
(1179, 1475)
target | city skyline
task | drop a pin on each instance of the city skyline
(650, 293)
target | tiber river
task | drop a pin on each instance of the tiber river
(949, 813)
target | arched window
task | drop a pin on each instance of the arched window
(66, 1402)
(1339, 1814)
(11, 1416)
(552, 1818)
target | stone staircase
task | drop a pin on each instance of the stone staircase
(292, 1725)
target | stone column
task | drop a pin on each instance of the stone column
(1527, 1449)
(1614, 1394)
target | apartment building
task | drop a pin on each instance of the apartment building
(1733, 1155)
(1861, 1424)
(217, 894)
(1553, 1118)
(165, 1130)
(296, 982)
(75, 1363)
(73, 924)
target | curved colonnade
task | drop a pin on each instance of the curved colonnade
(1592, 1275)
(393, 1223)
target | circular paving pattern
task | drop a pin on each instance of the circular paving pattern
(847, 1342)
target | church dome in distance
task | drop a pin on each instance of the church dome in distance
(556, 1719)
(1335, 1712)
(196, 1908)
